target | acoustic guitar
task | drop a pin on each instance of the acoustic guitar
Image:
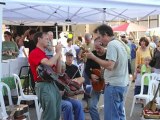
(99, 84)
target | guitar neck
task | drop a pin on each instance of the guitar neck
(102, 73)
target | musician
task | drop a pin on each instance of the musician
(47, 91)
(69, 105)
(116, 73)
(99, 52)
(89, 46)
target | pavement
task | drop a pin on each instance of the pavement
(136, 113)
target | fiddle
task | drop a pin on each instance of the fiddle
(99, 84)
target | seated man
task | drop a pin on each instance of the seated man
(71, 105)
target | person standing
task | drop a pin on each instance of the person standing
(9, 47)
(29, 34)
(133, 48)
(47, 91)
(22, 52)
(70, 48)
(146, 69)
(116, 73)
(30, 43)
(99, 52)
(143, 51)
(156, 56)
(87, 46)
(125, 40)
(49, 50)
(155, 39)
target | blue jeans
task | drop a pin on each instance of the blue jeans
(93, 101)
(72, 109)
(114, 102)
(88, 89)
(86, 78)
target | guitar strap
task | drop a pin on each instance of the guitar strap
(126, 48)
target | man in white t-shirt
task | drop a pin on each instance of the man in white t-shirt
(62, 39)
(115, 74)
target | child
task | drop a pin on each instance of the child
(137, 77)
(146, 69)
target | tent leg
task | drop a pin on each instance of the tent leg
(57, 33)
(1, 17)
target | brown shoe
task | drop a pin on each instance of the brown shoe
(86, 110)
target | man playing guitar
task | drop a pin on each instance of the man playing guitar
(93, 70)
(47, 92)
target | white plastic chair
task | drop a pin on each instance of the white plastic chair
(152, 89)
(3, 113)
(146, 97)
(22, 96)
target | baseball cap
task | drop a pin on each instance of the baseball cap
(69, 54)
(123, 34)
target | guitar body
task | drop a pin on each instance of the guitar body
(98, 85)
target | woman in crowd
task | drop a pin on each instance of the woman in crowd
(22, 52)
(143, 51)
(9, 47)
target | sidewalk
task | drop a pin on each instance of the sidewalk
(136, 113)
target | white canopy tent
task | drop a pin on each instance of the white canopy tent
(49, 12)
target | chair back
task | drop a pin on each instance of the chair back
(154, 76)
(18, 85)
(153, 85)
(146, 75)
(151, 77)
(3, 113)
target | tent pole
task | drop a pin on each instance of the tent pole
(1, 17)
(57, 33)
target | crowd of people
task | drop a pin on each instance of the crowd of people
(107, 63)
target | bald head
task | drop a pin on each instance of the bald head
(88, 38)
